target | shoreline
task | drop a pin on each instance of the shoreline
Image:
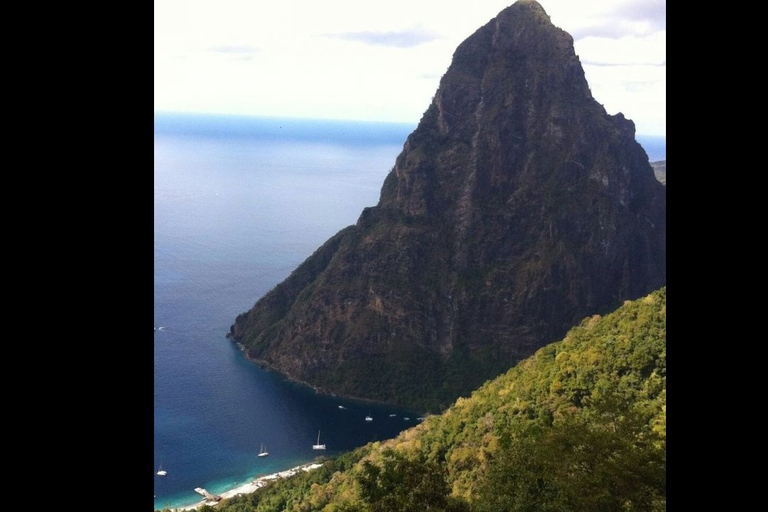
(264, 365)
(252, 486)
(259, 482)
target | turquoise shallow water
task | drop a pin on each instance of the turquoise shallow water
(238, 204)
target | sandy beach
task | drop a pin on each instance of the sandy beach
(253, 485)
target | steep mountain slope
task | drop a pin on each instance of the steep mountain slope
(516, 208)
(580, 425)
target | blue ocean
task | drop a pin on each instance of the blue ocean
(239, 202)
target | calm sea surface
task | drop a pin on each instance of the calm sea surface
(239, 203)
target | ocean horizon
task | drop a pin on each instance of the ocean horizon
(239, 203)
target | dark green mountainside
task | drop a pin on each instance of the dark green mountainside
(517, 207)
(578, 426)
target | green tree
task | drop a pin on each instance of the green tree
(400, 484)
(607, 460)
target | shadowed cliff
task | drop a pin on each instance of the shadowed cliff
(517, 207)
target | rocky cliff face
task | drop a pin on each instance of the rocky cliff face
(516, 208)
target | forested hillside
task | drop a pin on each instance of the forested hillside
(578, 426)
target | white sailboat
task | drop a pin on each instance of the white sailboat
(318, 446)
(161, 471)
(263, 452)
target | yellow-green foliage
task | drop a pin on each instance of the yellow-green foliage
(604, 383)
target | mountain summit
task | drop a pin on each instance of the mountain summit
(517, 207)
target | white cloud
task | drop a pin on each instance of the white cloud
(406, 38)
(348, 59)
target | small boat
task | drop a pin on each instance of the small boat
(406, 418)
(161, 471)
(369, 418)
(392, 415)
(318, 446)
(342, 407)
(263, 452)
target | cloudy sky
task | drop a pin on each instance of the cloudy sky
(382, 60)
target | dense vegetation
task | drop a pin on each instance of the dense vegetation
(578, 426)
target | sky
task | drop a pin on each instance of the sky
(383, 60)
